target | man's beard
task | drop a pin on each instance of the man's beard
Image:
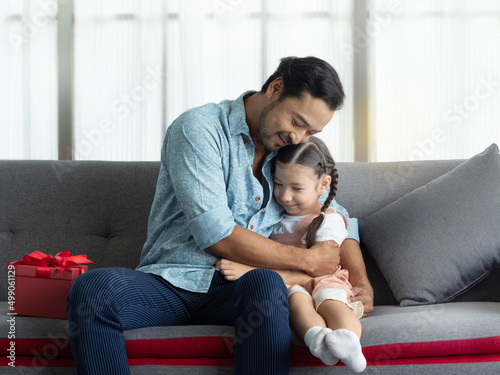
(265, 133)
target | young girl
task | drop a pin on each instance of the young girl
(320, 310)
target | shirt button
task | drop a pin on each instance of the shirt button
(257, 199)
(251, 226)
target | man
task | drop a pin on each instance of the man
(214, 200)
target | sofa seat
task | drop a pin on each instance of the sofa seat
(393, 338)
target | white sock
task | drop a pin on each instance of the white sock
(345, 345)
(315, 341)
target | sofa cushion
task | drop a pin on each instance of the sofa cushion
(437, 241)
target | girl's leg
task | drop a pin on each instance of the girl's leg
(338, 315)
(303, 315)
(310, 326)
(343, 341)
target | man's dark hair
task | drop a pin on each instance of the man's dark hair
(309, 75)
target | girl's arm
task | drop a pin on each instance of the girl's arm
(233, 271)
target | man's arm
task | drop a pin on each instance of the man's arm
(352, 260)
(247, 247)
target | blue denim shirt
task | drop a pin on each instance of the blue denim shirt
(205, 188)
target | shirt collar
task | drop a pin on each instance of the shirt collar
(237, 120)
(237, 116)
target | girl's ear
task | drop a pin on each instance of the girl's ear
(324, 184)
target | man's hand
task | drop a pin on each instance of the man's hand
(323, 258)
(352, 260)
(365, 295)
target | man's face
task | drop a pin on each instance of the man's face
(292, 120)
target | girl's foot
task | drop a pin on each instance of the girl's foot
(345, 345)
(315, 341)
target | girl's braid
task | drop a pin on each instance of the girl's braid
(329, 168)
(332, 171)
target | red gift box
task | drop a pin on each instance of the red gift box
(42, 283)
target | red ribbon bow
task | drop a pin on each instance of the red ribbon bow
(61, 261)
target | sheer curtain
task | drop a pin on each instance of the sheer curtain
(435, 78)
(432, 65)
(191, 52)
(118, 79)
(28, 80)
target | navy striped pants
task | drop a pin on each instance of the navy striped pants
(105, 301)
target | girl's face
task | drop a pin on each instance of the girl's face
(297, 189)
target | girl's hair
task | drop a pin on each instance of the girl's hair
(315, 155)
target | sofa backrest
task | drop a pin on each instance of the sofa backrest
(93, 207)
(101, 208)
(367, 187)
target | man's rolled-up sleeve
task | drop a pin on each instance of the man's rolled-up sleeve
(353, 229)
(193, 155)
(211, 226)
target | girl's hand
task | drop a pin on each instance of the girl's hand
(232, 270)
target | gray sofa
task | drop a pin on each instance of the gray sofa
(101, 209)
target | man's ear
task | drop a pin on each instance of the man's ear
(275, 88)
(324, 183)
